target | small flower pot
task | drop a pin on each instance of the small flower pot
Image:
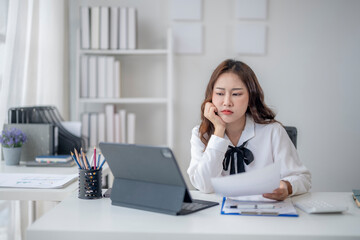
(12, 155)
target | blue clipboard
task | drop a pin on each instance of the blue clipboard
(278, 209)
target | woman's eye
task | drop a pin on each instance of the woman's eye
(219, 94)
(237, 94)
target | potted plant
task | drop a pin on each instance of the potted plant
(12, 141)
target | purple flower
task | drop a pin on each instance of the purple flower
(11, 138)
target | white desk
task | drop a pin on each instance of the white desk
(37, 194)
(33, 195)
(98, 219)
(41, 194)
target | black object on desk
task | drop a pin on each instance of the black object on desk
(107, 194)
(148, 178)
(90, 183)
(47, 115)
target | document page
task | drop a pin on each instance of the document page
(14, 180)
(232, 206)
(256, 182)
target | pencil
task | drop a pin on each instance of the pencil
(87, 161)
(79, 159)
(72, 155)
(102, 163)
(94, 157)
(83, 157)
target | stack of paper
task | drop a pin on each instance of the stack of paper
(243, 193)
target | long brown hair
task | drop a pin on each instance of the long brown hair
(256, 108)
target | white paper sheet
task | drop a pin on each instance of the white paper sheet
(260, 181)
(278, 208)
(14, 180)
(254, 198)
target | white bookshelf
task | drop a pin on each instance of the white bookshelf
(167, 100)
(127, 52)
(125, 100)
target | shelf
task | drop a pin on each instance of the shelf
(126, 52)
(124, 100)
(166, 101)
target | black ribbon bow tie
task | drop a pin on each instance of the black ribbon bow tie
(243, 155)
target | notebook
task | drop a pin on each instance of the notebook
(149, 178)
(56, 164)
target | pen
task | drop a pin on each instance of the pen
(259, 213)
(253, 206)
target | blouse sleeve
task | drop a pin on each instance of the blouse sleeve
(292, 169)
(207, 164)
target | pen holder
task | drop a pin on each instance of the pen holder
(90, 184)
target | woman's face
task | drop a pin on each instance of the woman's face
(230, 97)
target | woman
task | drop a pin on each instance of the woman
(238, 133)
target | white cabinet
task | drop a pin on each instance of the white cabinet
(134, 91)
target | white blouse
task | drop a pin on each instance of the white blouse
(269, 143)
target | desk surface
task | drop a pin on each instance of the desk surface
(40, 194)
(98, 219)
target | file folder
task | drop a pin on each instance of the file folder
(279, 208)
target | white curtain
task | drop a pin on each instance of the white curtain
(35, 70)
(36, 56)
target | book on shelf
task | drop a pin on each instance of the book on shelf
(123, 28)
(110, 126)
(117, 72)
(109, 115)
(85, 128)
(108, 27)
(131, 128)
(53, 158)
(122, 115)
(114, 28)
(95, 27)
(84, 92)
(101, 77)
(92, 77)
(110, 77)
(93, 129)
(104, 28)
(85, 27)
(117, 127)
(131, 28)
(101, 127)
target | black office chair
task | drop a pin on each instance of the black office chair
(292, 132)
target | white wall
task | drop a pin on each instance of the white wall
(310, 76)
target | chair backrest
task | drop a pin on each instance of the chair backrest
(292, 132)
